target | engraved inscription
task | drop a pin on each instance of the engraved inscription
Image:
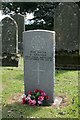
(38, 55)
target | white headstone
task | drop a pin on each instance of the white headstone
(39, 61)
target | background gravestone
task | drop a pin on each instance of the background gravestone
(9, 42)
(79, 31)
(0, 44)
(9, 36)
(39, 61)
(67, 37)
(21, 27)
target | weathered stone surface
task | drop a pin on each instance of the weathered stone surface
(66, 27)
(67, 36)
(9, 35)
(9, 42)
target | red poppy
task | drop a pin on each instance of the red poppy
(24, 100)
(36, 90)
(41, 91)
(30, 92)
(47, 97)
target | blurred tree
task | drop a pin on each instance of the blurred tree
(43, 11)
(18, 7)
(44, 14)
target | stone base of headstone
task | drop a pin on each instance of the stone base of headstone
(10, 60)
(57, 101)
(60, 101)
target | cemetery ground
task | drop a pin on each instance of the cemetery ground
(66, 86)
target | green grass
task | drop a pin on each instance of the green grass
(66, 84)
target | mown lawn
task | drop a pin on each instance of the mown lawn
(66, 85)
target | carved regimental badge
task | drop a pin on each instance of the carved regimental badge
(38, 43)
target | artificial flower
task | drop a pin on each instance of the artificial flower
(38, 97)
(24, 100)
(39, 102)
(32, 102)
(36, 90)
(41, 98)
(30, 92)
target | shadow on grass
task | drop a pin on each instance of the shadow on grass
(58, 72)
(18, 110)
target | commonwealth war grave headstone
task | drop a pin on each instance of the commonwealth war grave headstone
(67, 41)
(39, 61)
(9, 42)
(21, 28)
